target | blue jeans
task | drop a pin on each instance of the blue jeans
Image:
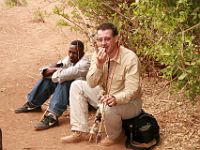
(44, 89)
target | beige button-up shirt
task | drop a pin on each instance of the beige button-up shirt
(122, 79)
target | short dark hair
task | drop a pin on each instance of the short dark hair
(79, 44)
(106, 26)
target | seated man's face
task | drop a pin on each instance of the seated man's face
(73, 54)
(106, 40)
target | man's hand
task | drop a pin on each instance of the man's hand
(101, 58)
(108, 100)
(49, 71)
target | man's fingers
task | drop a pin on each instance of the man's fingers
(111, 101)
(108, 100)
(101, 54)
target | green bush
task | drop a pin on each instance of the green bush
(12, 3)
(163, 31)
(39, 15)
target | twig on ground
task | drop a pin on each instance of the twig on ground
(180, 105)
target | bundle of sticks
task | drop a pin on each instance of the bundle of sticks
(97, 127)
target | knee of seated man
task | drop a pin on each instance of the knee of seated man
(75, 84)
(109, 111)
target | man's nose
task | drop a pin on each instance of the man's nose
(103, 42)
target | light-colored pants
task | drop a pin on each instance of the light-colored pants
(81, 94)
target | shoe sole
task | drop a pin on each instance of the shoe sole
(45, 128)
(26, 111)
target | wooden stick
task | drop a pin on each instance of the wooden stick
(91, 135)
(44, 114)
(98, 137)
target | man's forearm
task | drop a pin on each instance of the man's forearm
(49, 71)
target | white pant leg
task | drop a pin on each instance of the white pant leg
(114, 115)
(80, 95)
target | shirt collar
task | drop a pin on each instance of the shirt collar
(118, 59)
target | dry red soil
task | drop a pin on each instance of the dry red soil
(26, 45)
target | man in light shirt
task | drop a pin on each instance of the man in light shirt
(116, 70)
(56, 80)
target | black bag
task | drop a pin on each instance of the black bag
(142, 132)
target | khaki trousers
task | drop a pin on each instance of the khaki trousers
(81, 94)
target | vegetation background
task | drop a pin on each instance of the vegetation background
(165, 35)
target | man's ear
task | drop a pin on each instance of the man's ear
(117, 38)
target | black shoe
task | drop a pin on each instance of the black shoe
(28, 107)
(48, 121)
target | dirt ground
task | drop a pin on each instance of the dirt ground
(26, 45)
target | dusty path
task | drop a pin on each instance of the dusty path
(26, 46)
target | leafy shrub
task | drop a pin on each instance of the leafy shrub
(39, 15)
(12, 3)
(166, 32)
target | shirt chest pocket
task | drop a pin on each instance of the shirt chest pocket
(117, 81)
